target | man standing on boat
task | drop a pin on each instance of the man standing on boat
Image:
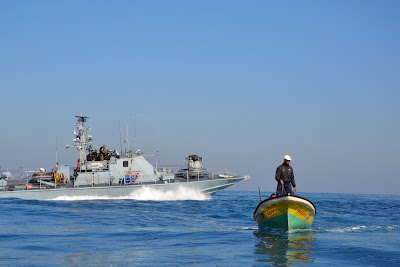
(102, 152)
(285, 177)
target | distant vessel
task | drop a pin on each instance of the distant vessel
(285, 212)
(115, 176)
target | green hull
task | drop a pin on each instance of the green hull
(286, 212)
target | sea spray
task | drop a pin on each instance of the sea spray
(147, 194)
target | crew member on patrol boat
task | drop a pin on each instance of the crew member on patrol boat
(102, 152)
(90, 157)
(96, 155)
(285, 177)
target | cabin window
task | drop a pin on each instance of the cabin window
(125, 163)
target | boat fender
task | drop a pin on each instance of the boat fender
(29, 187)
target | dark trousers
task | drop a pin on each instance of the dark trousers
(284, 190)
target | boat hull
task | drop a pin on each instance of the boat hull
(285, 212)
(207, 187)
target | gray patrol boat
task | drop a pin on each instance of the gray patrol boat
(118, 175)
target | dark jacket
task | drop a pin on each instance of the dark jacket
(285, 172)
(90, 157)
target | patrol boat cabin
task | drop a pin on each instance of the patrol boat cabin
(127, 168)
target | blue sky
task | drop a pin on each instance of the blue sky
(239, 83)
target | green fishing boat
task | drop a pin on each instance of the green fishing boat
(285, 212)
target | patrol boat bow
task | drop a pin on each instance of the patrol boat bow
(117, 176)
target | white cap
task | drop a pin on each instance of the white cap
(287, 157)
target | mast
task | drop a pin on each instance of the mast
(80, 141)
(127, 137)
(134, 125)
(157, 132)
(56, 156)
(120, 136)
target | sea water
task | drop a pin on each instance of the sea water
(187, 228)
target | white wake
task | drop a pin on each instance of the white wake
(147, 194)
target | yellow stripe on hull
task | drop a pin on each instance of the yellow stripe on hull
(302, 212)
(287, 212)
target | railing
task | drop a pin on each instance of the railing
(205, 173)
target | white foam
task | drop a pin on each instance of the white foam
(347, 229)
(147, 194)
(361, 228)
